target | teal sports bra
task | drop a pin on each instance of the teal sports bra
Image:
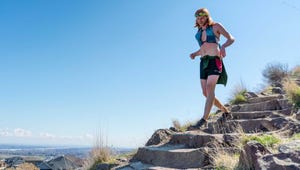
(210, 36)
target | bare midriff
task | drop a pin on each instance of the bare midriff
(211, 49)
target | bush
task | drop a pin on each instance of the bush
(293, 92)
(275, 73)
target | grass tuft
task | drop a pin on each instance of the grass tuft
(226, 161)
(293, 92)
(100, 153)
(238, 94)
(265, 139)
(177, 125)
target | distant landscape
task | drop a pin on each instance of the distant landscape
(44, 152)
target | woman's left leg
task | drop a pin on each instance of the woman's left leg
(210, 99)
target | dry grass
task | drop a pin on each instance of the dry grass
(181, 127)
(293, 92)
(226, 161)
(24, 166)
(100, 153)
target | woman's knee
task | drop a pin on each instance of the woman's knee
(210, 87)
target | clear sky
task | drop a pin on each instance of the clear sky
(72, 69)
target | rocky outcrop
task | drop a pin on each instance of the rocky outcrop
(168, 149)
(256, 156)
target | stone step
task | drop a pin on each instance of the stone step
(261, 114)
(246, 125)
(177, 156)
(253, 114)
(172, 156)
(142, 166)
(197, 139)
(276, 104)
(264, 98)
(192, 139)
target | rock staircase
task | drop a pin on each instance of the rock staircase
(168, 149)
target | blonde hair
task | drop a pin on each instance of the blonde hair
(209, 19)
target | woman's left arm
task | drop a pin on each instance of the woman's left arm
(230, 39)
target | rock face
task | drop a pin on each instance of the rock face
(167, 149)
(289, 161)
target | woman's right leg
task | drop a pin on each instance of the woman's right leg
(217, 103)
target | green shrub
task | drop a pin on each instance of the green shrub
(266, 140)
(238, 94)
(240, 98)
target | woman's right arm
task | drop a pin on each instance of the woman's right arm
(195, 54)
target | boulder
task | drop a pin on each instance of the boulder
(250, 154)
(160, 136)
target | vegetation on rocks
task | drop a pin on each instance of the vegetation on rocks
(259, 131)
(180, 127)
(226, 161)
(100, 153)
(265, 139)
(238, 95)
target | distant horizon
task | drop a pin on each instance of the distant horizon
(53, 146)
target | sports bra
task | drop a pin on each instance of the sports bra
(210, 36)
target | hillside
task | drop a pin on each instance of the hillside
(263, 134)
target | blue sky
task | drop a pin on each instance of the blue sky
(73, 69)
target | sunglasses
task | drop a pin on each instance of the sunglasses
(200, 14)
